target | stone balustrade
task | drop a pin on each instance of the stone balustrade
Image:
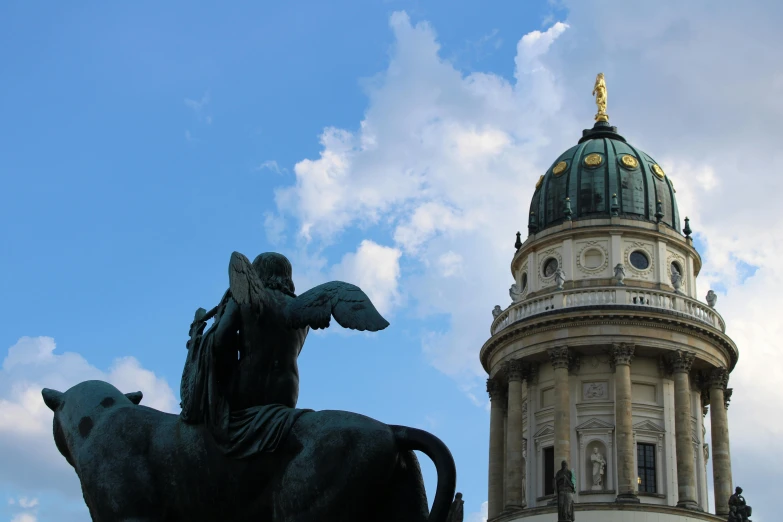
(608, 296)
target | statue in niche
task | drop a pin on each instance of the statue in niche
(240, 449)
(739, 510)
(619, 274)
(706, 447)
(565, 488)
(515, 293)
(496, 311)
(676, 281)
(560, 278)
(599, 468)
(712, 298)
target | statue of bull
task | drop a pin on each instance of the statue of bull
(137, 464)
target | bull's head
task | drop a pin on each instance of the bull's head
(76, 411)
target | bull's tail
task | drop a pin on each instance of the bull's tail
(435, 449)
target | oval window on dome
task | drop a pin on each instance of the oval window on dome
(550, 267)
(639, 260)
(593, 258)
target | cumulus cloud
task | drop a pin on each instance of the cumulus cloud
(24, 517)
(480, 516)
(30, 459)
(446, 163)
(376, 270)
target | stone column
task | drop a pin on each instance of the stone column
(495, 479)
(560, 359)
(721, 462)
(515, 472)
(681, 363)
(620, 359)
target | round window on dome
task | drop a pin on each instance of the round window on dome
(524, 281)
(639, 260)
(593, 258)
(550, 267)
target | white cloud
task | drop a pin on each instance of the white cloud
(448, 161)
(376, 270)
(24, 517)
(272, 166)
(30, 459)
(480, 516)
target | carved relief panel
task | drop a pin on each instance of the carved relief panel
(592, 258)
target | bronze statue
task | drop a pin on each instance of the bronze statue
(739, 510)
(240, 451)
(565, 489)
(599, 91)
(457, 510)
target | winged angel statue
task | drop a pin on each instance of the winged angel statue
(241, 377)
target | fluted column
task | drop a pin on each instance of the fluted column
(495, 479)
(719, 421)
(681, 363)
(620, 358)
(515, 499)
(560, 358)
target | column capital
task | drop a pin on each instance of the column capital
(621, 353)
(558, 356)
(515, 370)
(680, 361)
(496, 390)
(727, 396)
(717, 378)
(563, 357)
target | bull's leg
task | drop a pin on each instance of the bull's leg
(341, 472)
(405, 499)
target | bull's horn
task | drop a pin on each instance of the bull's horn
(52, 398)
(135, 397)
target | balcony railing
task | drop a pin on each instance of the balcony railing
(608, 296)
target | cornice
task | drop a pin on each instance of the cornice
(618, 315)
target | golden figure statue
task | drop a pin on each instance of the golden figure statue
(599, 91)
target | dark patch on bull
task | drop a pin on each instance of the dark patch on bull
(108, 402)
(85, 426)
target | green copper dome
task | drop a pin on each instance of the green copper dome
(591, 173)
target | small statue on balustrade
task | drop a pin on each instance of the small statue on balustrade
(712, 298)
(560, 278)
(515, 292)
(599, 468)
(739, 510)
(619, 273)
(564, 489)
(496, 311)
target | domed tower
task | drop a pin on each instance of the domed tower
(605, 358)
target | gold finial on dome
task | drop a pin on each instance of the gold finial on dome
(599, 91)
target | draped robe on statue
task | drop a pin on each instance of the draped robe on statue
(206, 389)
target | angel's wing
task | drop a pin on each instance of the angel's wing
(350, 307)
(246, 287)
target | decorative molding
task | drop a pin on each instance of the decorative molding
(717, 378)
(594, 424)
(727, 396)
(648, 426)
(595, 391)
(620, 353)
(674, 256)
(592, 245)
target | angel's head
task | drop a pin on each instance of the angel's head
(275, 272)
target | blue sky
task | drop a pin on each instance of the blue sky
(142, 143)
